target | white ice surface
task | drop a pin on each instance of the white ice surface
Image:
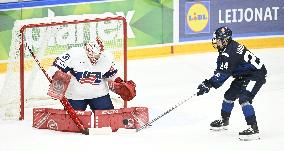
(162, 83)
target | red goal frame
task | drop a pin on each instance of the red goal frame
(22, 47)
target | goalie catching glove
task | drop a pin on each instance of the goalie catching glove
(125, 89)
(59, 84)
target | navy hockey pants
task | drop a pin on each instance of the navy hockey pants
(243, 89)
(101, 103)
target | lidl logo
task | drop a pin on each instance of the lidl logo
(197, 17)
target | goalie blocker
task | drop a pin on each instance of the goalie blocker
(58, 85)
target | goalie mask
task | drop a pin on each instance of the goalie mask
(94, 50)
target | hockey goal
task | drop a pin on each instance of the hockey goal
(25, 85)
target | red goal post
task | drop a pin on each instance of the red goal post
(48, 38)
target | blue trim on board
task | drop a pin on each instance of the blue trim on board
(251, 35)
(14, 5)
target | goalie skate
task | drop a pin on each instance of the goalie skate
(219, 125)
(252, 133)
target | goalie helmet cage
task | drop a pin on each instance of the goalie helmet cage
(48, 39)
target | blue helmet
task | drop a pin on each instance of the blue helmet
(224, 34)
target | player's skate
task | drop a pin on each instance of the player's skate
(219, 125)
(252, 133)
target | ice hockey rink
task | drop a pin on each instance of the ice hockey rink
(161, 84)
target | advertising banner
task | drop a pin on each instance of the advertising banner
(199, 19)
(149, 22)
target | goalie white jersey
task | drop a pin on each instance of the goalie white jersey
(88, 80)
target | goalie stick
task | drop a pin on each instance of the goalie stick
(71, 112)
(164, 113)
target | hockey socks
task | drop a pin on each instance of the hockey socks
(249, 113)
(222, 124)
(227, 107)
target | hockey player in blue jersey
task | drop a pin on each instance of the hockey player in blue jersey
(249, 75)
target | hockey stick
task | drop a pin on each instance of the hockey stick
(64, 100)
(163, 114)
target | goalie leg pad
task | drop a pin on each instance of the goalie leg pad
(59, 120)
(129, 118)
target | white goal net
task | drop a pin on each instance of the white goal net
(25, 84)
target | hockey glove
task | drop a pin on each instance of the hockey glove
(125, 89)
(204, 87)
(59, 84)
